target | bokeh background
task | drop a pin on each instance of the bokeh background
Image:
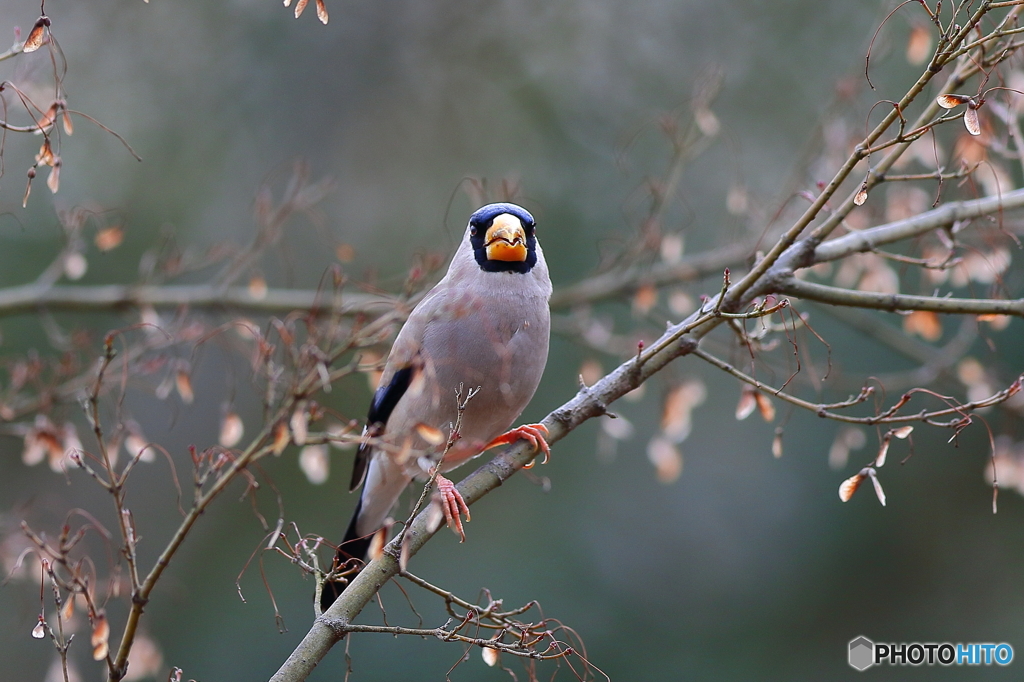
(746, 566)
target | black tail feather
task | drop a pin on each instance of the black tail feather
(352, 547)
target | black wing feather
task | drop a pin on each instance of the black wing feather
(383, 404)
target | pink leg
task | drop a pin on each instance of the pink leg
(534, 433)
(453, 506)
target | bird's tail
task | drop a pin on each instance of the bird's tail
(353, 546)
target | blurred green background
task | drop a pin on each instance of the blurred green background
(746, 567)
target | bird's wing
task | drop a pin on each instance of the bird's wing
(404, 363)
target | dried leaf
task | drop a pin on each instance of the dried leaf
(183, 384)
(490, 655)
(315, 462)
(924, 323)
(878, 487)
(109, 238)
(667, 461)
(861, 196)
(53, 179)
(971, 121)
(883, 450)
(951, 101)
(591, 371)
(281, 438)
(145, 660)
(747, 404)
(36, 35)
(75, 266)
(68, 609)
(430, 434)
(919, 44)
(299, 7)
(672, 248)
(849, 487)
(903, 431)
(644, 299)
(970, 371)
(100, 636)
(707, 121)
(838, 454)
(376, 548)
(618, 428)
(777, 444)
(345, 253)
(903, 202)
(737, 201)
(136, 443)
(676, 414)
(300, 423)
(39, 631)
(69, 127)
(231, 430)
(28, 187)
(984, 268)
(879, 277)
(321, 11)
(680, 302)
(257, 287)
(996, 322)
(45, 155)
(765, 406)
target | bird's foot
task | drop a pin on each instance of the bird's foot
(452, 505)
(534, 433)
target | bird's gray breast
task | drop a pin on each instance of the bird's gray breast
(496, 341)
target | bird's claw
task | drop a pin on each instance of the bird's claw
(534, 434)
(453, 506)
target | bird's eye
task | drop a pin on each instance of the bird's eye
(472, 230)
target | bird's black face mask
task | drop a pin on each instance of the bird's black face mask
(502, 236)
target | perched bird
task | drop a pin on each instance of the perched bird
(485, 325)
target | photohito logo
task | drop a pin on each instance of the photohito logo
(863, 653)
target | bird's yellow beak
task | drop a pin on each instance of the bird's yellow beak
(505, 239)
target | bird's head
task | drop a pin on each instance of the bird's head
(503, 240)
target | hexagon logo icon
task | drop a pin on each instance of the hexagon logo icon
(862, 653)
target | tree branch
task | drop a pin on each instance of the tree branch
(30, 297)
(945, 215)
(822, 293)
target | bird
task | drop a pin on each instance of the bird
(484, 327)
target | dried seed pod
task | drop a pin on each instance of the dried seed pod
(281, 438)
(951, 101)
(490, 655)
(430, 434)
(100, 636)
(747, 404)
(36, 35)
(315, 462)
(109, 238)
(848, 487)
(300, 423)
(971, 121)
(666, 458)
(231, 430)
(183, 384)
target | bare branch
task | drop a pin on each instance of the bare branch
(944, 216)
(894, 302)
